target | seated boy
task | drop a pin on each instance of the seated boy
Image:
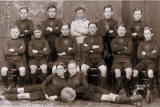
(122, 47)
(93, 51)
(13, 59)
(147, 54)
(38, 52)
(65, 46)
(52, 30)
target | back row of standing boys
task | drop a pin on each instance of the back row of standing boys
(128, 51)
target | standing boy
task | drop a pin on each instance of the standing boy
(79, 30)
(52, 30)
(26, 28)
(107, 29)
(137, 28)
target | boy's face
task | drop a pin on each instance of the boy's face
(92, 29)
(65, 30)
(137, 15)
(52, 12)
(23, 14)
(14, 33)
(72, 69)
(121, 31)
(148, 35)
(60, 70)
(37, 33)
(80, 14)
(108, 13)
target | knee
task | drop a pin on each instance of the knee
(135, 73)
(54, 69)
(4, 71)
(117, 73)
(128, 73)
(33, 69)
(150, 73)
(103, 70)
(22, 71)
(84, 69)
(44, 68)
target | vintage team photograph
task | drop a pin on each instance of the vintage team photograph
(79, 53)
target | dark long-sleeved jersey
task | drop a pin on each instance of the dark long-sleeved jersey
(151, 49)
(67, 45)
(105, 25)
(16, 44)
(104, 28)
(25, 27)
(55, 24)
(122, 48)
(78, 82)
(53, 85)
(137, 27)
(38, 44)
(89, 51)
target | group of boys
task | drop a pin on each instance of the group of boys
(103, 45)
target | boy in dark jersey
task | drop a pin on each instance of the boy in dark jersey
(107, 29)
(147, 54)
(93, 54)
(13, 59)
(50, 89)
(136, 29)
(66, 46)
(122, 47)
(38, 52)
(25, 26)
(52, 30)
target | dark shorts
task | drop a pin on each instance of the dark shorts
(145, 66)
(121, 64)
(14, 63)
(94, 62)
(35, 92)
(38, 62)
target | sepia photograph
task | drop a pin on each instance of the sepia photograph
(79, 53)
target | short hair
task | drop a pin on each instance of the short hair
(123, 25)
(60, 63)
(14, 27)
(72, 62)
(52, 6)
(108, 6)
(149, 28)
(37, 27)
(26, 8)
(137, 9)
(92, 22)
(68, 24)
(80, 8)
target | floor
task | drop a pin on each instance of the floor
(25, 103)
